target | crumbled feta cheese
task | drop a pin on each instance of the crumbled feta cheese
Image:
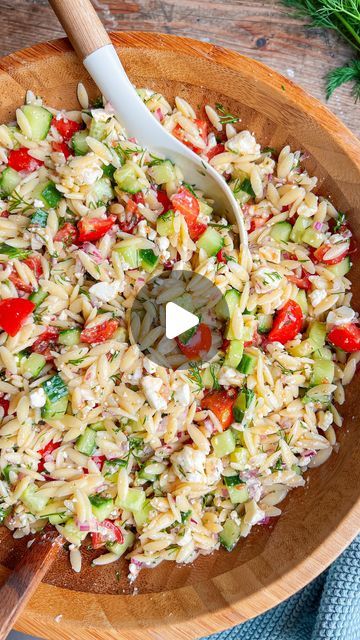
(235, 517)
(189, 464)
(253, 514)
(38, 204)
(37, 398)
(319, 282)
(163, 243)
(100, 115)
(266, 279)
(243, 143)
(342, 315)
(36, 242)
(182, 394)
(142, 228)
(317, 296)
(89, 176)
(151, 387)
(271, 254)
(105, 291)
(149, 366)
(213, 468)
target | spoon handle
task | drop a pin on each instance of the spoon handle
(25, 578)
(82, 25)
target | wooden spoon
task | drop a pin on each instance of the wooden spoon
(93, 46)
(25, 578)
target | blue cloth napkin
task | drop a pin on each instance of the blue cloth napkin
(327, 609)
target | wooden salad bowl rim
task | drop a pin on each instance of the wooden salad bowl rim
(205, 607)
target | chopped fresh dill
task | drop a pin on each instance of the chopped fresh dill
(224, 116)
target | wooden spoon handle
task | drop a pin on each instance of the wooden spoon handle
(25, 578)
(81, 24)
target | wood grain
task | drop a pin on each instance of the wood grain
(223, 589)
(261, 29)
(81, 24)
(25, 578)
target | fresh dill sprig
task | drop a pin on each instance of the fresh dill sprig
(16, 201)
(224, 116)
(342, 16)
(195, 375)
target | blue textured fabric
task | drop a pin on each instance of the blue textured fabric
(327, 609)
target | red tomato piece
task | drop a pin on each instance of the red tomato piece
(164, 200)
(318, 255)
(188, 205)
(34, 263)
(99, 461)
(66, 127)
(131, 217)
(61, 147)
(100, 333)
(199, 343)
(13, 313)
(287, 323)
(180, 134)
(47, 451)
(19, 284)
(224, 345)
(139, 198)
(97, 541)
(115, 535)
(301, 283)
(66, 234)
(256, 223)
(46, 343)
(220, 257)
(4, 214)
(221, 404)
(21, 160)
(5, 405)
(91, 229)
(346, 337)
(219, 148)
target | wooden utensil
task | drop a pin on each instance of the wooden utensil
(92, 44)
(223, 589)
(25, 578)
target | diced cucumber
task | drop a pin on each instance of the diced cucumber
(313, 238)
(47, 193)
(265, 322)
(102, 191)
(299, 228)
(34, 500)
(98, 426)
(165, 224)
(55, 388)
(301, 299)
(211, 241)
(142, 515)
(108, 171)
(13, 252)
(281, 231)
(13, 131)
(9, 180)
(234, 353)
(97, 130)
(240, 457)
(134, 500)
(324, 353)
(317, 334)
(69, 337)
(238, 494)
(72, 533)
(223, 443)
(33, 365)
(86, 443)
(111, 468)
(55, 409)
(209, 376)
(302, 350)
(148, 259)
(247, 364)
(39, 120)
(144, 475)
(242, 189)
(120, 548)
(230, 534)
(242, 403)
(163, 172)
(39, 218)
(204, 208)
(225, 307)
(323, 372)
(38, 297)
(101, 507)
(129, 254)
(126, 179)
(322, 399)
(79, 144)
(4, 512)
(341, 268)
(58, 518)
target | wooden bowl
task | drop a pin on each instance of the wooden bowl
(223, 589)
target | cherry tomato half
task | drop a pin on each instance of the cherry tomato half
(13, 313)
(46, 342)
(61, 147)
(318, 255)
(303, 282)
(21, 160)
(91, 229)
(67, 234)
(66, 127)
(199, 343)
(346, 337)
(221, 404)
(287, 323)
(188, 205)
(100, 332)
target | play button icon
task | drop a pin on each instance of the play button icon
(178, 320)
(177, 317)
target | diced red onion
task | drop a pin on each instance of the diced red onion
(93, 251)
(319, 226)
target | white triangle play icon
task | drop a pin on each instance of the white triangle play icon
(178, 320)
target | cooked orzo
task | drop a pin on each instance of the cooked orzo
(158, 462)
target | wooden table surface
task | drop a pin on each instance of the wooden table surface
(262, 29)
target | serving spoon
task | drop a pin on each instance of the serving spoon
(93, 45)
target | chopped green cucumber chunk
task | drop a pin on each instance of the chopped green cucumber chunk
(38, 297)
(317, 334)
(98, 426)
(324, 353)
(242, 403)
(211, 241)
(223, 443)
(204, 208)
(69, 337)
(299, 228)
(47, 193)
(127, 180)
(79, 144)
(234, 353)
(33, 365)
(230, 534)
(120, 548)
(39, 218)
(55, 388)
(265, 321)
(55, 409)
(102, 191)
(242, 189)
(162, 172)
(58, 518)
(301, 299)
(225, 307)
(247, 364)
(142, 515)
(9, 180)
(313, 238)
(97, 130)
(134, 500)
(323, 372)
(240, 457)
(303, 349)
(101, 507)
(165, 224)
(72, 533)
(39, 120)
(86, 443)
(148, 259)
(341, 268)
(209, 376)
(129, 254)
(33, 499)
(281, 231)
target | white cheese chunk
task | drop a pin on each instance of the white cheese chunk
(37, 398)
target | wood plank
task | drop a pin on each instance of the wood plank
(261, 29)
